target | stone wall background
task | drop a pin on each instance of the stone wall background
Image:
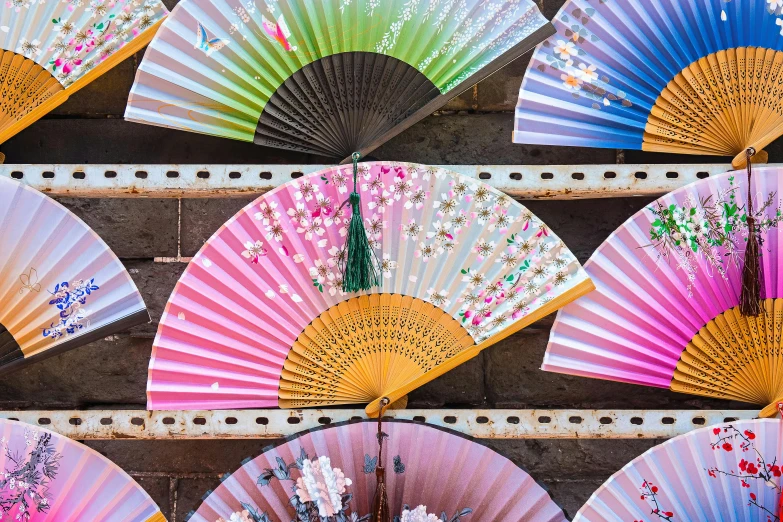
(474, 128)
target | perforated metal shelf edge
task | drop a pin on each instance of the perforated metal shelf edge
(488, 424)
(521, 181)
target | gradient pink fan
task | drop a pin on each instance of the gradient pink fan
(260, 318)
(424, 465)
(666, 309)
(47, 477)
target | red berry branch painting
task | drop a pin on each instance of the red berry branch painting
(650, 494)
(753, 468)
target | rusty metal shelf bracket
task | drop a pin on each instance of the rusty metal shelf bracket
(191, 181)
(488, 424)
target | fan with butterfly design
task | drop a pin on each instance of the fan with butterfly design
(61, 285)
(332, 472)
(328, 78)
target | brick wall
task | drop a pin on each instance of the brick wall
(476, 128)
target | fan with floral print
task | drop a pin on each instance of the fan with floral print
(680, 76)
(728, 472)
(51, 49)
(330, 474)
(45, 476)
(666, 311)
(329, 78)
(61, 285)
(260, 318)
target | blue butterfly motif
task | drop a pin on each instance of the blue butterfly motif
(205, 44)
(370, 464)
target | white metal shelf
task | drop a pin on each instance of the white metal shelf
(522, 181)
(489, 424)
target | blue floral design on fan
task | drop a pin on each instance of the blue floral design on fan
(69, 299)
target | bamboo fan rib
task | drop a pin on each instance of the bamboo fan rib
(736, 357)
(328, 78)
(61, 285)
(691, 77)
(417, 458)
(727, 472)
(24, 85)
(666, 309)
(49, 50)
(720, 105)
(260, 318)
(370, 345)
(48, 477)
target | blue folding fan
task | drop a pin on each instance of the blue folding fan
(685, 76)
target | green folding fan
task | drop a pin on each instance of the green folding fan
(327, 77)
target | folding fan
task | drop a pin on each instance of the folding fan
(60, 284)
(51, 49)
(685, 76)
(260, 318)
(326, 77)
(482, 485)
(45, 476)
(666, 309)
(720, 473)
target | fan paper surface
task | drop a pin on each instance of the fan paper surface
(689, 76)
(61, 286)
(729, 472)
(45, 476)
(665, 312)
(419, 459)
(259, 316)
(326, 77)
(52, 49)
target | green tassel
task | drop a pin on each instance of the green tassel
(360, 265)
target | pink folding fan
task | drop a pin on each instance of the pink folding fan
(666, 311)
(427, 470)
(47, 477)
(730, 472)
(261, 317)
(61, 286)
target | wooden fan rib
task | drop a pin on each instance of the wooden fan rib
(770, 113)
(383, 340)
(735, 355)
(24, 85)
(682, 101)
(720, 105)
(577, 291)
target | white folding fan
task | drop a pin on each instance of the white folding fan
(329, 77)
(261, 317)
(60, 284)
(51, 49)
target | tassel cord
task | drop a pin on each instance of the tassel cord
(380, 504)
(360, 264)
(750, 297)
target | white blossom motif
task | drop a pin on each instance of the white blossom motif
(254, 251)
(267, 212)
(323, 485)
(418, 514)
